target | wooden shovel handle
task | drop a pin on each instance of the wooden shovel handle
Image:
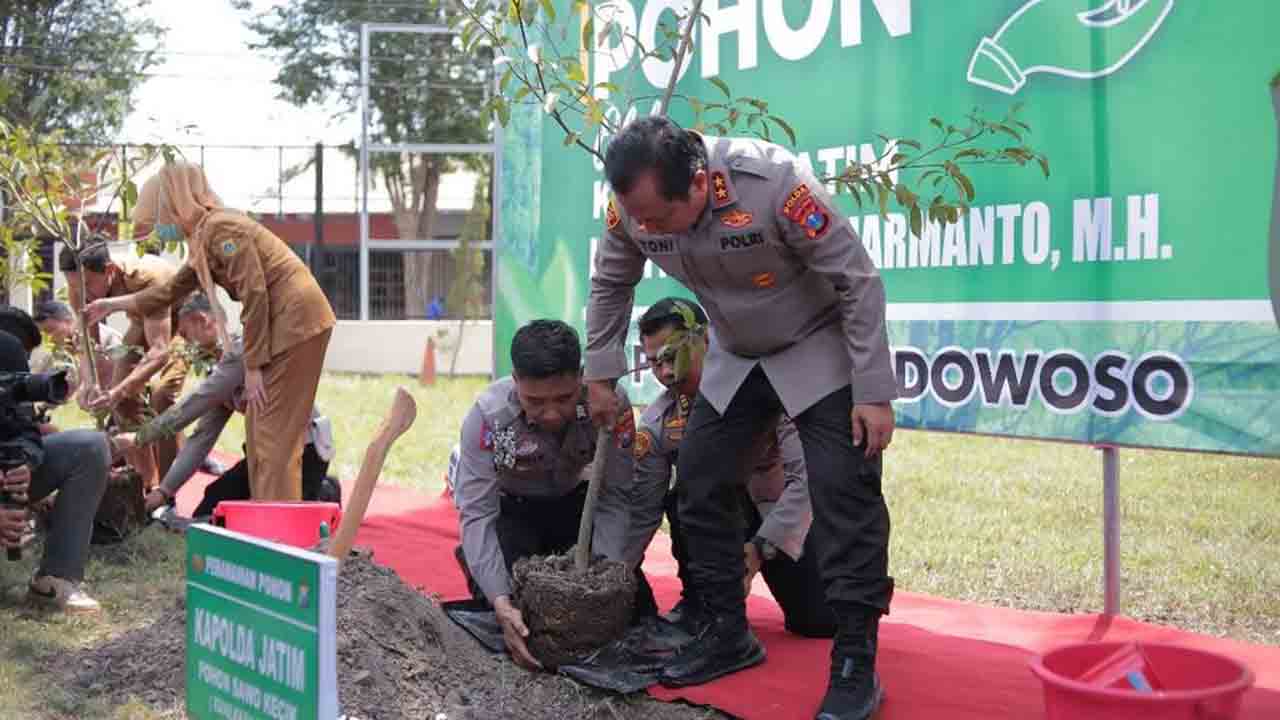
(398, 420)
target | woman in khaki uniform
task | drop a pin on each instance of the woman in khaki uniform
(286, 316)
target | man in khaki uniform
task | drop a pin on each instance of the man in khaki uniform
(158, 364)
(797, 326)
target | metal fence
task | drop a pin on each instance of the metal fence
(309, 197)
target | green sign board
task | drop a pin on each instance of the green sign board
(261, 635)
(1124, 300)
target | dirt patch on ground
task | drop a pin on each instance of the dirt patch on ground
(570, 615)
(398, 657)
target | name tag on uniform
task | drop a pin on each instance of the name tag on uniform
(657, 245)
(739, 242)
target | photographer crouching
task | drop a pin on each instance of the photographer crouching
(74, 463)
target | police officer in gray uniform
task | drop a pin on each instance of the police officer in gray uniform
(520, 484)
(775, 500)
(797, 326)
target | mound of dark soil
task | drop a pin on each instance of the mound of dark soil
(398, 657)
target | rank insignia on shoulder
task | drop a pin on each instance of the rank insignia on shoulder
(764, 280)
(611, 216)
(737, 218)
(720, 190)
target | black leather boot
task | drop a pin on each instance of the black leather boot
(723, 645)
(854, 692)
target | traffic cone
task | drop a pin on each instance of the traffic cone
(428, 376)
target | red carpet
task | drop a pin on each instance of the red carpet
(938, 659)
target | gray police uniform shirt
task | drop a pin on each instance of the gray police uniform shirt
(505, 454)
(778, 484)
(212, 403)
(784, 279)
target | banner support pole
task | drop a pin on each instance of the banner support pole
(1111, 530)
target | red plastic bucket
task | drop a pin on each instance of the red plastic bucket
(1098, 681)
(291, 523)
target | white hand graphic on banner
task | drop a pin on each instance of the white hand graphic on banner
(1055, 38)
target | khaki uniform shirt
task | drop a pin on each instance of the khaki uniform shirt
(139, 274)
(778, 485)
(784, 279)
(281, 303)
(503, 453)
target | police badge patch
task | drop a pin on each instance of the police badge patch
(644, 443)
(625, 429)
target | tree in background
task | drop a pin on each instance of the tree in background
(73, 65)
(423, 88)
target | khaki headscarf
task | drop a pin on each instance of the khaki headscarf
(180, 193)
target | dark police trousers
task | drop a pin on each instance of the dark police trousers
(849, 537)
(536, 525)
(234, 483)
(796, 585)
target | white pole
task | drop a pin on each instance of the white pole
(364, 171)
(1111, 530)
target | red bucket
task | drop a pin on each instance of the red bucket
(291, 523)
(1120, 681)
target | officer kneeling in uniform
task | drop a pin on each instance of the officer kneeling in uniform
(520, 484)
(775, 499)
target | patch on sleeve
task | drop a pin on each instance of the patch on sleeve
(611, 217)
(624, 430)
(798, 195)
(803, 209)
(644, 443)
(486, 436)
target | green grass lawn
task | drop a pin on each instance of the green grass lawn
(1007, 522)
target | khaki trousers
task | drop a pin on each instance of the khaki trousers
(275, 435)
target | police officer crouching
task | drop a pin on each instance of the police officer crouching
(520, 484)
(775, 500)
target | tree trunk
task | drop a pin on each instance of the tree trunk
(416, 221)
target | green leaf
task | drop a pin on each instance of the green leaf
(588, 32)
(937, 123)
(521, 93)
(761, 104)
(1008, 131)
(570, 139)
(549, 8)
(503, 111)
(966, 186)
(883, 197)
(504, 80)
(910, 143)
(724, 87)
(1044, 164)
(576, 73)
(786, 128)
(917, 222)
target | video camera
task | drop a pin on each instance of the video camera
(21, 387)
(16, 390)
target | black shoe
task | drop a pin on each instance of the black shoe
(854, 692)
(724, 645)
(687, 614)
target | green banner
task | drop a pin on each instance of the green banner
(1126, 299)
(261, 629)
